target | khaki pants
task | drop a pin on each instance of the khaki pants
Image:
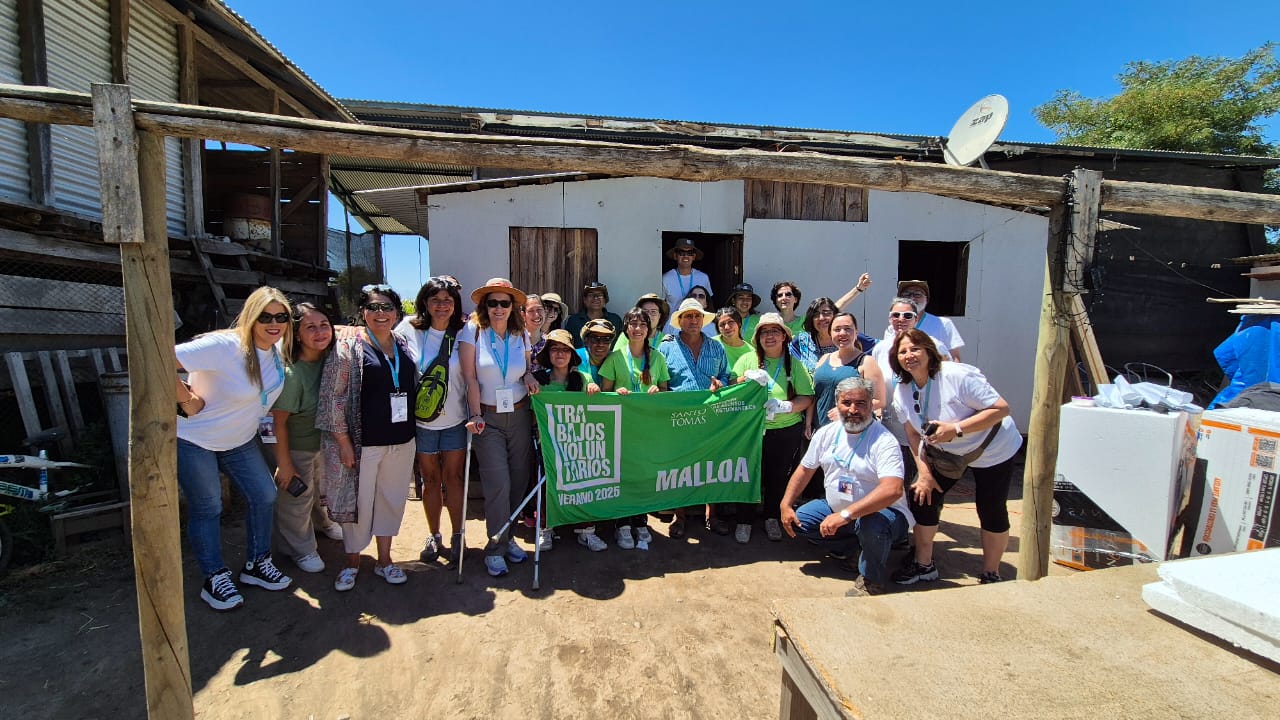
(298, 517)
(385, 472)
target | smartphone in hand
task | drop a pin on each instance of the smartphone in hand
(296, 487)
(930, 428)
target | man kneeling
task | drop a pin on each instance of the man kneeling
(865, 511)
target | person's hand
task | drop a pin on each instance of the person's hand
(757, 375)
(808, 430)
(830, 524)
(623, 391)
(285, 472)
(925, 486)
(592, 388)
(346, 453)
(653, 389)
(716, 384)
(346, 332)
(531, 384)
(475, 424)
(864, 282)
(790, 523)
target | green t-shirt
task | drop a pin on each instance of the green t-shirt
(749, 327)
(299, 397)
(564, 386)
(801, 382)
(625, 371)
(733, 353)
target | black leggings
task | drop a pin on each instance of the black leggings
(779, 453)
(991, 490)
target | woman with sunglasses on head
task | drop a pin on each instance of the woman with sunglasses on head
(431, 337)
(496, 364)
(234, 377)
(952, 407)
(790, 395)
(299, 464)
(366, 411)
(637, 368)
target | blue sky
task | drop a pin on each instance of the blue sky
(885, 67)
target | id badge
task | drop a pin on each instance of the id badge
(267, 428)
(399, 407)
(845, 487)
(504, 399)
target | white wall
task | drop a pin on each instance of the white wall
(469, 237)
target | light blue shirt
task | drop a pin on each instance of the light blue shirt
(688, 374)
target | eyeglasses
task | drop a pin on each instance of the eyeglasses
(908, 315)
(825, 313)
(686, 253)
(788, 293)
(769, 331)
(497, 303)
(552, 310)
(916, 294)
(267, 318)
(699, 296)
(599, 339)
(374, 288)
(380, 307)
(594, 296)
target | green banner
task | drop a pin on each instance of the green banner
(609, 456)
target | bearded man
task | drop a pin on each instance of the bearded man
(864, 513)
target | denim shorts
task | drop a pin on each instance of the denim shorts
(431, 442)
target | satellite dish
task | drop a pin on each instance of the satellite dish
(975, 131)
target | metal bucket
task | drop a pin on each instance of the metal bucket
(114, 387)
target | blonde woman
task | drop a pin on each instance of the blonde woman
(235, 376)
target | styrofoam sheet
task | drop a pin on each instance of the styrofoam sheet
(1243, 589)
(1164, 599)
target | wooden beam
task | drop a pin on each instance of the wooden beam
(1082, 333)
(119, 33)
(28, 321)
(22, 393)
(153, 487)
(117, 140)
(192, 148)
(1085, 188)
(73, 397)
(53, 398)
(33, 57)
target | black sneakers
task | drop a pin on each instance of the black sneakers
(987, 578)
(915, 572)
(220, 592)
(263, 573)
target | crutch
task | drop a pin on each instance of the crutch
(466, 490)
(535, 492)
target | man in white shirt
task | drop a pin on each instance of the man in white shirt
(865, 511)
(678, 281)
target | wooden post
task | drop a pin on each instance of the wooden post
(1071, 233)
(148, 305)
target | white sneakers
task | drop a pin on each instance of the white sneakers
(346, 579)
(333, 531)
(391, 573)
(625, 541)
(643, 538)
(310, 562)
(545, 539)
(587, 538)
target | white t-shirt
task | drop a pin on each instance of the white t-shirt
(676, 286)
(937, 327)
(852, 465)
(492, 352)
(423, 346)
(880, 353)
(959, 391)
(233, 404)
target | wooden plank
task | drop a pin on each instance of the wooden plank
(69, 386)
(27, 321)
(97, 362)
(300, 199)
(811, 201)
(33, 57)
(117, 142)
(157, 547)
(228, 276)
(815, 696)
(52, 398)
(113, 354)
(217, 247)
(119, 33)
(855, 208)
(1085, 189)
(32, 293)
(303, 287)
(192, 148)
(22, 393)
(1082, 333)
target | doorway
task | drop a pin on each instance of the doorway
(721, 260)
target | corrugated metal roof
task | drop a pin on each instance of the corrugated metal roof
(352, 162)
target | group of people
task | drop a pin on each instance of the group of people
(356, 412)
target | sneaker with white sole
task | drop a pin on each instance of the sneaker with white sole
(431, 549)
(391, 573)
(773, 529)
(515, 553)
(546, 540)
(221, 592)
(496, 566)
(625, 541)
(346, 579)
(264, 573)
(333, 531)
(742, 533)
(915, 572)
(643, 535)
(310, 562)
(588, 539)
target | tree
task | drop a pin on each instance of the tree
(1198, 104)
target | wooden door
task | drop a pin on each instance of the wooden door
(550, 259)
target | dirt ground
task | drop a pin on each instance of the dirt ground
(681, 631)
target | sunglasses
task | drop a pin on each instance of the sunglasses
(699, 296)
(785, 294)
(380, 307)
(908, 315)
(267, 318)
(915, 395)
(599, 339)
(497, 303)
(594, 296)
(552, 311)
(686, 253)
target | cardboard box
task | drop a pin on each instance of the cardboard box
(1085, 537)
(1235, 506)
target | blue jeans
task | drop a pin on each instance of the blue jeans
(198, 477)
(868, 538)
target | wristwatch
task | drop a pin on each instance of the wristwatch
(845, 514)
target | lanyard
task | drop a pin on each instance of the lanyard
(395, 358)
(847, 462)
(924, 402)
(506, 353)
(635, 382)
(773, 382)
(262, 394)
(684, 293)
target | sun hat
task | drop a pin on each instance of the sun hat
(690, 305)
(772, 319)
(500, 285)
(599, 326)
(744, 289)
(685, 244)
(555, 298)
(663, 306)
(904, 285)
(596, 285)
(562, 337)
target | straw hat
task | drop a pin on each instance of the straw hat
(904, 285)
(562, 337)
(663, 306)
(599, 326)
(744, 289)
(555, 298)
(689, 305)
(497, 285)
(685, 244)
(772, 319)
